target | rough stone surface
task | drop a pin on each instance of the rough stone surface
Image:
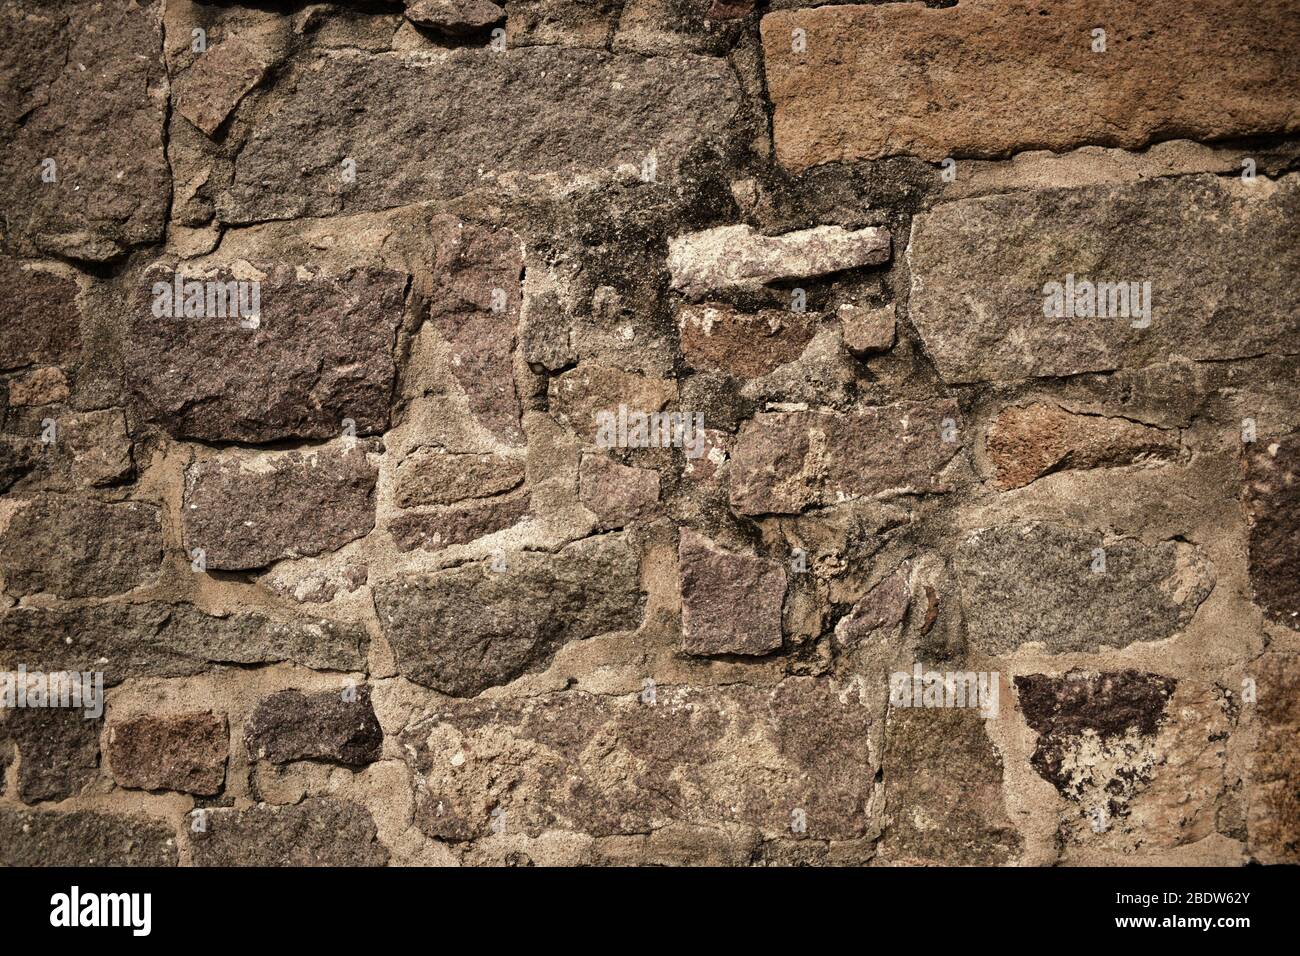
(786, 462)
(83, 838)
(731, 603)
(1274, 815)
(1272, 493)
(40, 323)
(184, 752)
(321, 354)
(320, 831)
(73, 547)
(85, 86)
(1020, 76)
(943, 781)
(248, 511)
(737, 257)
(455, 17)
(1036, 582)
(980, 268)
(432, 476)
(211, 89)
(744, 344)
(58, 750)
(333, 726)
(1030, 441)
(469, 628)
(459, 524)
(867, 330)
(880, 609)
(162, 640)
(619, 495)
(617, 109)
(615, 765)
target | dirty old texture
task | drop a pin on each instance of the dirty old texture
(565, 433)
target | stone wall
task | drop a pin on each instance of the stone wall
(330, 339)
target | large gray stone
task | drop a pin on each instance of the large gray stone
(1036, 583)
(980, 267)
(438, 124)
(465, 629)
(164, 640)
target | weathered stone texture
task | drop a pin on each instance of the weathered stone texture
(1045, 583)
(40, 323)
(247, 511)
(617, 765)
(619, 495)
(58, 750)
(432, 476)
(786, 462)
(1272, 494)
(616, 109)
(1274, 812)
(731, 258)
(717, 337)
(1028, 442)
(980, 270)
(731, 603)
(84, 85)
(73, 547)
(320, 831)
(468, 628)
(336, 726)
(459, 524)
(989, 79)
(83, 838)
(162, 640)
(184, 752)
(321, 355)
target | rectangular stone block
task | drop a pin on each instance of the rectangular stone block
(1218, 255)
(999, 76)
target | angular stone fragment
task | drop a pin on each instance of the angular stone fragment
(1030, 441)
(76, 547)
(40, 323)
(320, 831)
(731, 603)
(797, 755)
(580, 394)
(464, 629)
(459, 524)
(730, 258)
(246, 511)
(183, 752)
(58, 750)
(83, 838)
(1272, 497)
(89, 449)
(867, 330)
(432, 476)
(1044, 583)
(42, 386)
(474, 303)
(87, 89)
(944, 794)
(1020, 76)
(336, 726)
(822, 375)
(455, 17)
(321, 354)
(162, 640)
(617, 109)
(1140, 756)
(743, 344)
(785, 462)
(1273, 816)
(619, 495)
(221, 76)
(881, 608)
(982, 271)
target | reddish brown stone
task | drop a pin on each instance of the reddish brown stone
(184, 752)
(731, 603)
(743, 344)
(1272, 495)
(618, 495)
(459, 524)
(432, 476)
(335, 726)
